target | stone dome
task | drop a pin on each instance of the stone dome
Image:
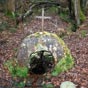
(45, 41)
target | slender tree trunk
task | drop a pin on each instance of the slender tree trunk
(87, 4)
(77, 11)
(83, 3)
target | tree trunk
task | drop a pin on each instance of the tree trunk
(10, 6)
(77, 11)
(87, 5)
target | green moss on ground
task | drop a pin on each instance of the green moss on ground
(15, 69)
(66, 62)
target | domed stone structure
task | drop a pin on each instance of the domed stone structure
(40, 41)
(44, 41)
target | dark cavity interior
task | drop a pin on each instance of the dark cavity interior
(41, 62)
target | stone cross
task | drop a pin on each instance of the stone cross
(43, 18)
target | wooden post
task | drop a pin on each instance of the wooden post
(42, 18)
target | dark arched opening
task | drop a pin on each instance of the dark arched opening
(41, 62)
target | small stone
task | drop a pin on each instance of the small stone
(23, 45)
(67, 84)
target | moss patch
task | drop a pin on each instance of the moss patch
(15, 69)
(66, 62)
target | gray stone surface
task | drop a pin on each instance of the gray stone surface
(37, 42)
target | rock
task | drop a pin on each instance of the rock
(67, 84)
(34, 45)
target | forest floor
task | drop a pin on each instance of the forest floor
(76, 41)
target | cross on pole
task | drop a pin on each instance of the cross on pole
(43, 18)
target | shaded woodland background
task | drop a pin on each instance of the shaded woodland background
(77, 8)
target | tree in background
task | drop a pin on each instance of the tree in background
(77, 11)
(75, 7)
(10, 6)
(79, 15)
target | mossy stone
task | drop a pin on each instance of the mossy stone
(49, 42)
